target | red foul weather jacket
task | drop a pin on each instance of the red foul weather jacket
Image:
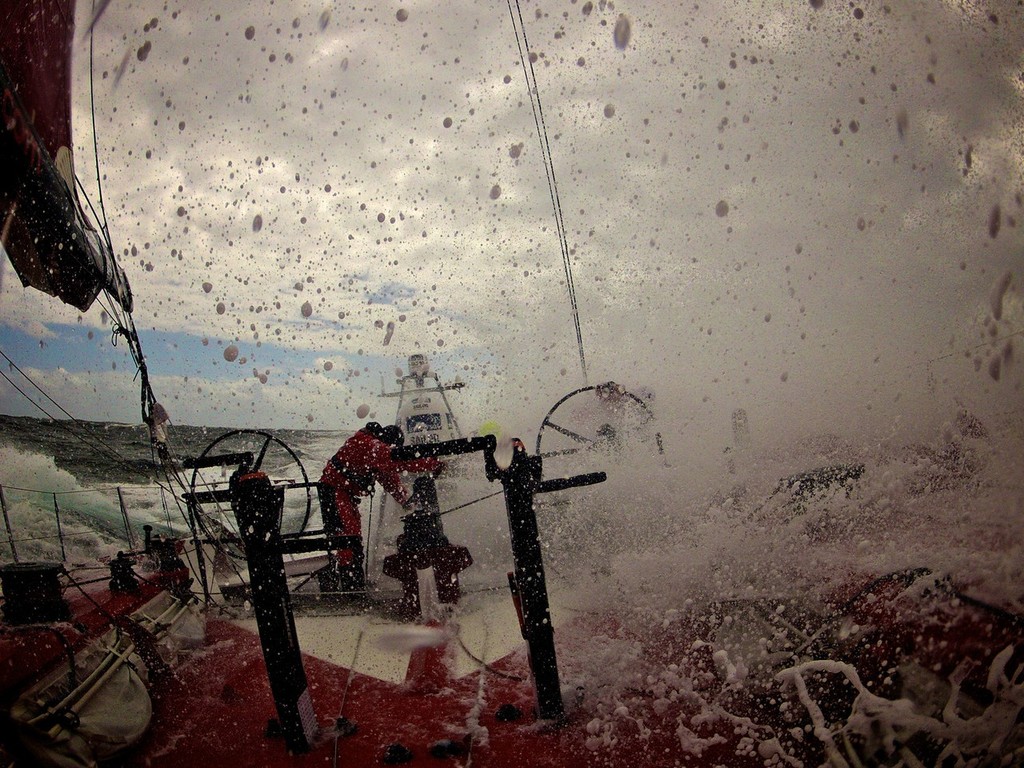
(358, 464)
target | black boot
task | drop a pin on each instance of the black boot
(352, 577)
(327, 577)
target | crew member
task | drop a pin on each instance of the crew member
(364, 459)
(611, 397)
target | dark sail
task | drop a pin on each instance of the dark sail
(43, 229)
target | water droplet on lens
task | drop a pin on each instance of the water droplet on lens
(622, 32)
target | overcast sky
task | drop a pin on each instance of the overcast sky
(812, 213)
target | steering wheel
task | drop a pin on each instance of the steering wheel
(256, 451)
(599, 415)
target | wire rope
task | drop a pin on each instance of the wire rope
(538, 117)
(30, 381)
(95, 142)
(92, 443)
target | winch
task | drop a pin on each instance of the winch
(32, 593)
(423, 545)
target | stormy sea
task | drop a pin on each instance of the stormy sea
(84, 473)
(785, 517)
(645, 554)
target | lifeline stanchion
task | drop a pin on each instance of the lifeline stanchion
(7, 522)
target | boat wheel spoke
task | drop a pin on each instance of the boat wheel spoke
(261, 452)
(568, 432)
(602, 418)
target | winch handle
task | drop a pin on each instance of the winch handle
(243, 458)
(486, 443)
(577, 481)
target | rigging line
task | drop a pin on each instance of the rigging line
(82, 191)
(91, 442)
(340, 721)
(125, 326)
(913, 366)
(95, 142)
(96, 443)
(215, 537)
(538, 109)
(29, 380)
(556, 198)
(538, 116)
(111, 452)
(111, 310)
(542, 135)
(469, 503)
(978, 346)
(117, 315)
(168, 473)
(557, 203)
(483, 665)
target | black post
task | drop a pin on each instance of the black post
(257, 506)
(7, 522)
(520, 481)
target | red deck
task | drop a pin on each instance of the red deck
(227, 705)
(681, 709)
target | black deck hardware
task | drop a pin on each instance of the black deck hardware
(32, 593)
(257, 506)
(521, 481)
